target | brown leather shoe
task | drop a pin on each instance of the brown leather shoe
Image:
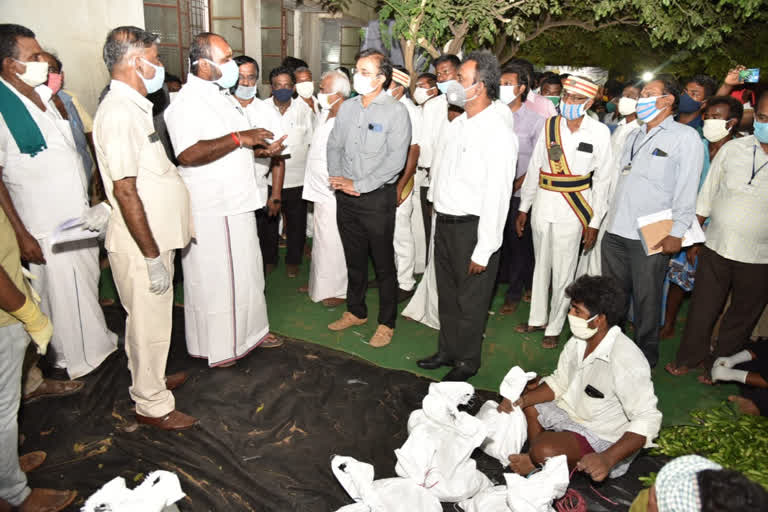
(271, 341)
(174, 420)
(47, 500)
(382, 337)
(54, 388)
(175, 380)
(32, 460)
(292, 270)
(347, 320)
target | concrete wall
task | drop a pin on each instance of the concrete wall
(75, 30)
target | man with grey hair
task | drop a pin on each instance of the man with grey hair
(150, 220)
(327, 278)
(43, 185)
(305, 88)
(225, 311)
(472, 191)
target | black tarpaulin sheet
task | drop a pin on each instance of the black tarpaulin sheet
(268, 428)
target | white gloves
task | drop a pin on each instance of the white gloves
(97, 217)
(737, 358)
(159, 278)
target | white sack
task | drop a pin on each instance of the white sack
(437, 453)
(160, 489)
(507, 432)
(386, 495)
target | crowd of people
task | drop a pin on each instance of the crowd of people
(473, 175)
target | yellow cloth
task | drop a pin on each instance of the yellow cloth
(38, 325)
(10, 260)
(641, 502)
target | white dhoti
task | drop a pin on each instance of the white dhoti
(405, 245)
(417, 223)
(556, 248)
(68, 285)
(590, 263)
(328, 267)
(225, 312)
(423, 306)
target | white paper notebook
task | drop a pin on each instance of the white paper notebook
(72, 230)
(654, 227)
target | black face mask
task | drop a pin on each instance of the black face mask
(282, 95)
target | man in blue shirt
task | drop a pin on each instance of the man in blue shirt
(658, 170)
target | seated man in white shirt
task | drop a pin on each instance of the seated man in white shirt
(598, 407)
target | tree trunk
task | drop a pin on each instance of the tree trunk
(409, 51)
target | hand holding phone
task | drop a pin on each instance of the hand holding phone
(749, 76)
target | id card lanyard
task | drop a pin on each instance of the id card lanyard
(754, 161)
(633, 152)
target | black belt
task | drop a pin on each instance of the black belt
(423, 168)
(444, 218)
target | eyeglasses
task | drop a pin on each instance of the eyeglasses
(574, 98)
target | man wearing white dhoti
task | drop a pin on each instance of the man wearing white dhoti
(567, 184)
(224, 306)
(327, 275)
(43, 184)
(407, 232)
(150, 220)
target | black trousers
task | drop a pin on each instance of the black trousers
(715, 278)
(517, 258)
(295, 210)
(642, 278)
(367, 224)
(462, 299)
(426, 215)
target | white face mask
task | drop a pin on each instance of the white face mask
(421, 95)
(35, 74)
(507, 93)
(627, 106)
(580, 327)
(715, 129)
(230, 73)
(363, 85)
(245, 92)
(305, 89)
(322, 99)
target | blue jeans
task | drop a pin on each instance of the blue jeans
(13, 345)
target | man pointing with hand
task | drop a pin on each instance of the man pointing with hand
(225, 311)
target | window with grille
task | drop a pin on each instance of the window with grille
(339, 44)
(277, 38)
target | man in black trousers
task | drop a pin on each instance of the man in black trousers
(473, 185)
(367, 150)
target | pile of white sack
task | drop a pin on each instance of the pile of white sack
(434, 464)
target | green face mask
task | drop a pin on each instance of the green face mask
(641, 502)
(610, 107)
(554, 99)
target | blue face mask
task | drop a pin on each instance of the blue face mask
(572, 111)
(443, 86)
(646, 108)
(688, 105)
(155, 83)
(282, 95)
(761, 132)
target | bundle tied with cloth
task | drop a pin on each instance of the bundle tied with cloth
(534, 493)
(386, 495)
(506, 432)
(437, 453)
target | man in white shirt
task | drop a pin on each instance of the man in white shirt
(327, 278)
(43, 185)
(408, 229)
(734, 258)
(471, 195)
(566, 184)
(426, 90)
(225, 311)
(150, 220)
(261, 115)
(591, 262)
(305, 88)
(599, 407)
(297, 121)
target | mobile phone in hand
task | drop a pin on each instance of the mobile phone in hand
(749, 76)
